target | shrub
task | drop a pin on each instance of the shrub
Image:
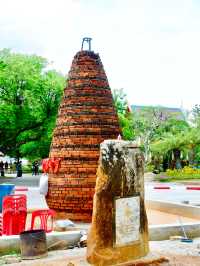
(187, 171)
(26, 168)
(149, 168)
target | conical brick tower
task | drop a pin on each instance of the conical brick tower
(86, 117)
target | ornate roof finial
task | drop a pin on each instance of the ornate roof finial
(88, 40)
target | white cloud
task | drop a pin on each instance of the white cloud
(148, 47)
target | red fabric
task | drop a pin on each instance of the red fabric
(56, 165)
(45, 165)
(51, 165)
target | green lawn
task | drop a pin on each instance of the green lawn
(163, 177)
(6, 178)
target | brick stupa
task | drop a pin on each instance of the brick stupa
(86, 117)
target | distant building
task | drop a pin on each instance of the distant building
(177, 113)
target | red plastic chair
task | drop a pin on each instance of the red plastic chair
(14, 212)
(0, 226)
(44, 216)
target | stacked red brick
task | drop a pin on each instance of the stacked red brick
(86, 117)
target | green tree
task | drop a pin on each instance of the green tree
(125, 117)
(120, 100)
(196, 115)
(147, 123)
(29, 98)
(186, 141)
(127, 126)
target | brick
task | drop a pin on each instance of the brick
(85, 118)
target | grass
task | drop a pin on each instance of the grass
(162, 177)
(9, 252)
(7, 177)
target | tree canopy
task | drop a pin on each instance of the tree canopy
(196, 115)
(158, 132)
(30, 94)
(125, 117)
(29, 99)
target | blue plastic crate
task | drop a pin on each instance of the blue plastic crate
(5, 189)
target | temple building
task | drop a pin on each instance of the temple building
(86, 117)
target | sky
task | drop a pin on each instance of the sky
(151, 48)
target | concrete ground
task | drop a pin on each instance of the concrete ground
(35, 200)
(25, 180)
(158, 217)
(178, 254)
(177, 193)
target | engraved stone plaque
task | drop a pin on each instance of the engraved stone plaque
(127, 220)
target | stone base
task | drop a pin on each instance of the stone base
(151, 260)
(69, 258)
(115, 256)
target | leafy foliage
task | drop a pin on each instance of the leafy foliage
(184, 139)
(196, 115)
(29, 98)
(160, 134)
(127, 126)
(125, 117)
(120, 100)
(151, 123)
(186, 171)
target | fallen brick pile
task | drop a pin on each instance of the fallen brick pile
(86, 117)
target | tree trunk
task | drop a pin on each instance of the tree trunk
(177, 159)
(191, 156)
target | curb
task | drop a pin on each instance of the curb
(186, 187)
(54, 239)
(19, 188)
(192, 188)
(161, 187)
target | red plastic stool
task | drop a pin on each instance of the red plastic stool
(1, 225)
(44, 216)
(14, 212)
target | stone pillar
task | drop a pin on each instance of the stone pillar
(86, 117)
(119, 230)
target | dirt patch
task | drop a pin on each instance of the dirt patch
(158, 217)
(179, 260)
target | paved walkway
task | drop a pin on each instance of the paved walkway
(176, 193)
(25, 180)
(35, 200)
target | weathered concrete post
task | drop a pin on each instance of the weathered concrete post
(119, 231)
